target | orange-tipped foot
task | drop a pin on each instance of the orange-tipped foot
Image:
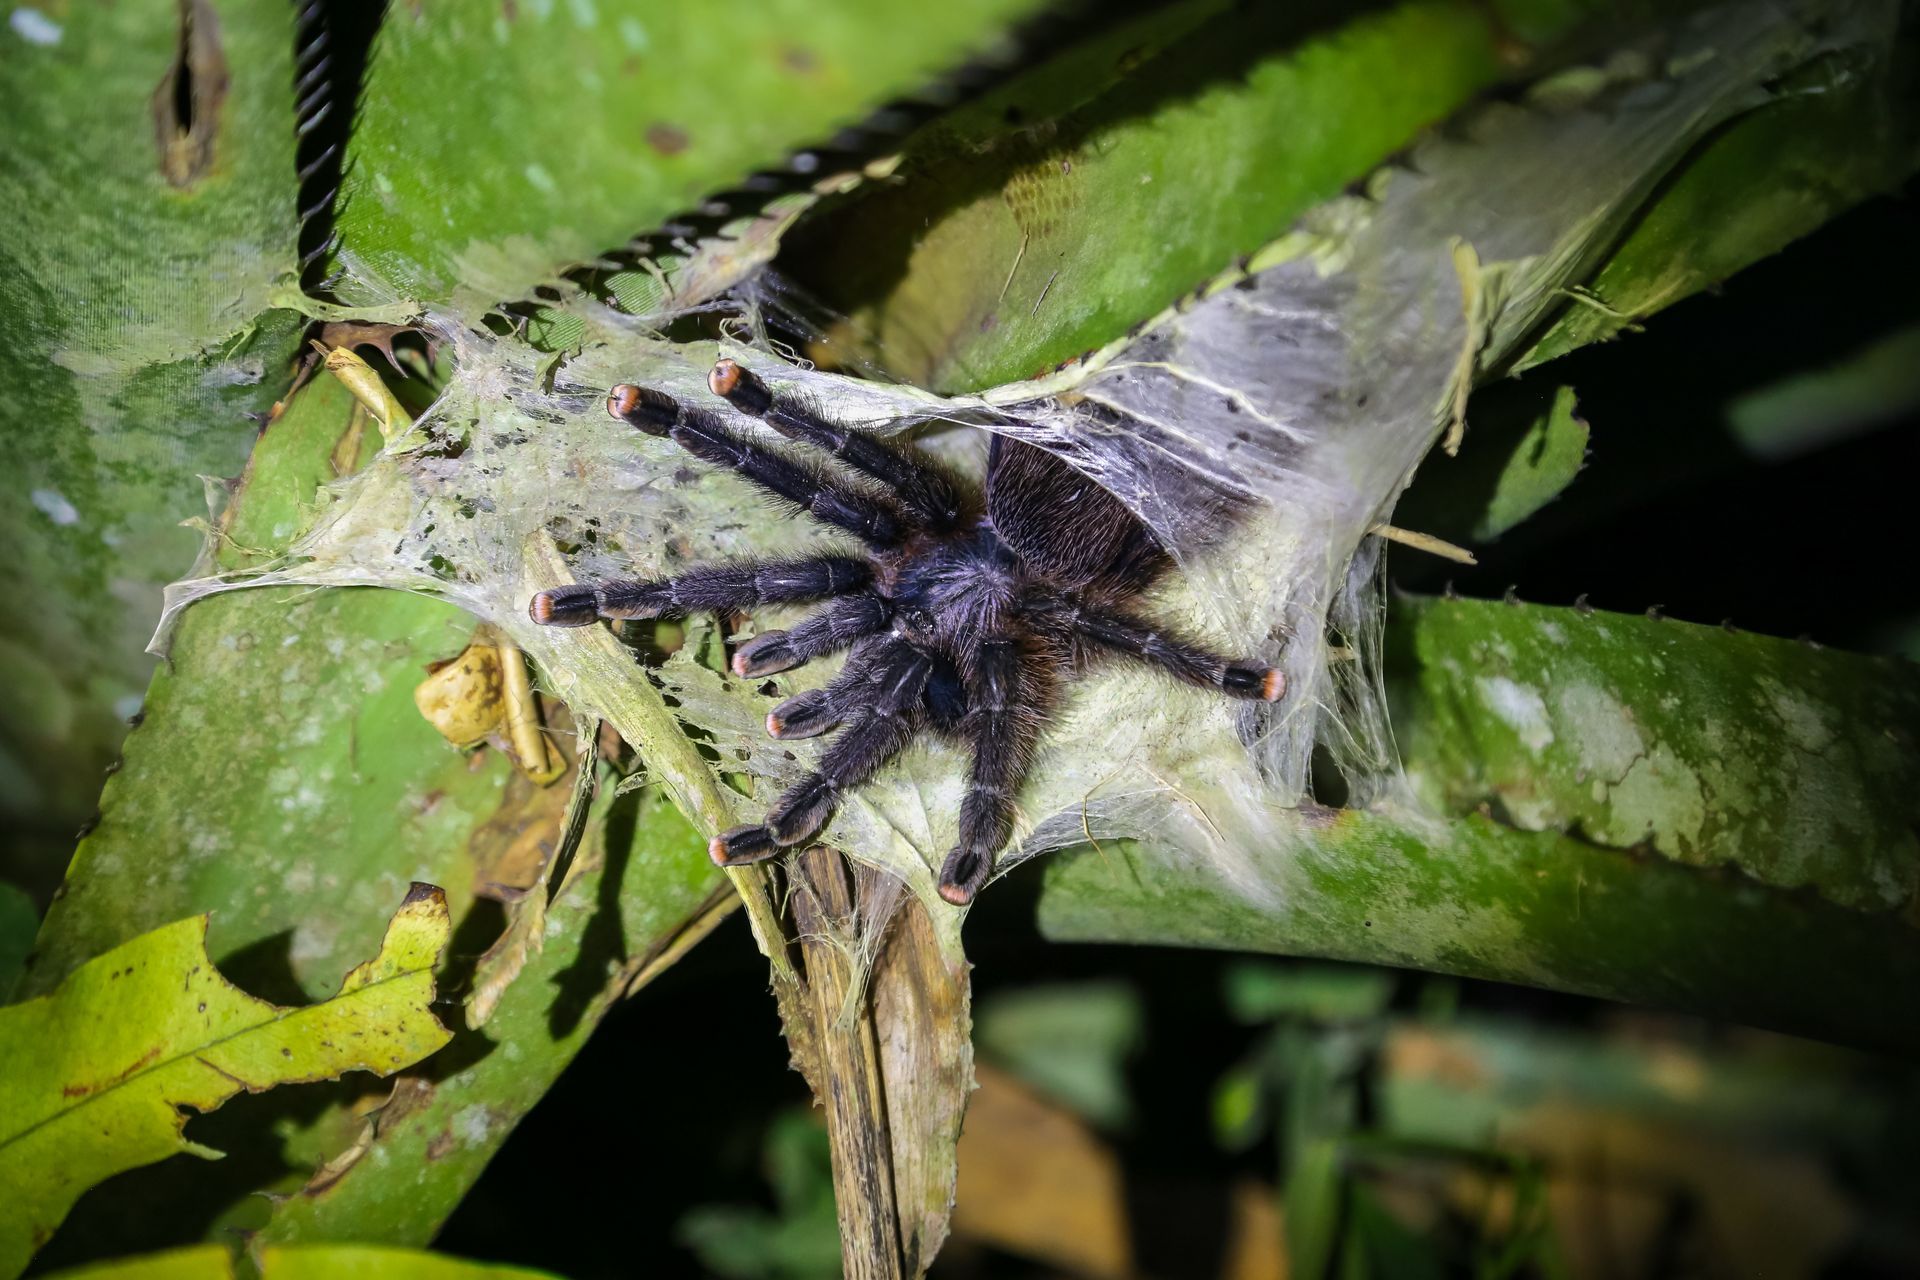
(774, 725)
(724, 378)
(736, 384)
(573, 606)
(959, 895)
(742, 845)
(1250, 681)
(623, 400)
(643, 408)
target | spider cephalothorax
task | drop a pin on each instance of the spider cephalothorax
(963, 617)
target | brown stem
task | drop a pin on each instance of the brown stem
(854, 1092)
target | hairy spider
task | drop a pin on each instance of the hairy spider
(964, 617)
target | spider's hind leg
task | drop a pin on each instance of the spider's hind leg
(716, 586)
(1002, 721)
(1124, 634)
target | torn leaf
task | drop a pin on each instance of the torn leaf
(94, 1077)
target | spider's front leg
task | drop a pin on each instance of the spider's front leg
(875, 699)
(702, 589)
(1004, 700)
(832, 629)
(707, 437)
(926, 494)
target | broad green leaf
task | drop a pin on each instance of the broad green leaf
(1090, 193)
(603, 121)
(283, 780)
(281, 777)
(93, 1077)
(1629, 901)
(1525, 445)
(138, 337)
(1473, 897)
(197, 1262)
(1788, 762)
(318, 1262)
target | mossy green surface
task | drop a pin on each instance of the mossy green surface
(138, 337)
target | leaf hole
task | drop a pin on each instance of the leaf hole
(187, 103)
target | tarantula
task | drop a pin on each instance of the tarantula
(963, 616)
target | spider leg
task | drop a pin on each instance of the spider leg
(1002, 725)
(846, 620)
(1137, 638)
(707, 437)
(923, 491)
(714, 586)
(886, 687)
(810, 714)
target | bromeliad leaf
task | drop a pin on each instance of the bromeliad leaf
(93, 1076)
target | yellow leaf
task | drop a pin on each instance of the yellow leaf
(93, 1076)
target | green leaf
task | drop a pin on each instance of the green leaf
(607, 119)
(1813, 410)
(368, 1262)
(198, 1262)
(1550, 454)
(397, 1177)
(1046, 219)
(1071, 1041)
(1838, 132)
(138, 337)
(1525, 445)
(1791, 763)
(323, 1262)
(1818, 732)
(93, 1077)
(1259, 992)
(281, 777)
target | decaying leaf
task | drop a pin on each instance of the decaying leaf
(93, 1077)
(484, 693)
(464, 698)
